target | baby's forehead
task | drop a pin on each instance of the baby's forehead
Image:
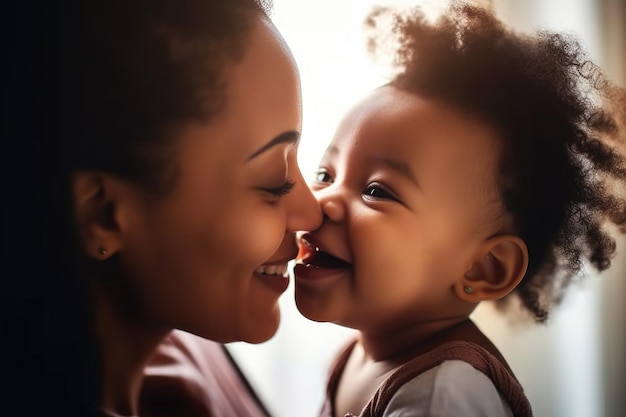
(389, 117)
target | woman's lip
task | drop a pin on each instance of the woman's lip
(273, 267)
(277, 262)
(274, 274)
(277, 283)
(284, 259)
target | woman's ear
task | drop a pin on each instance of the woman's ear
(499, 266)
(97, 213)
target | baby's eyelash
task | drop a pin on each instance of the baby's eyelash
(377, 191)
(282, 189)
(323, 176)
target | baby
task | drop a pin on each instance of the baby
(488, 167)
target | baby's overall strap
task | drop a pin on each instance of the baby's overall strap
(335, 375)
(468, 352)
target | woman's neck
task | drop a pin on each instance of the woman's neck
(126, 344)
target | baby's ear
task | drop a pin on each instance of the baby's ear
(500, 265)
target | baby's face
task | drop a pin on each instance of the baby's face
(408, 189)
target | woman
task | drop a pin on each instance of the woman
(172, 191)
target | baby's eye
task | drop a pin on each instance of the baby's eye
(322, 176)
(378, 192)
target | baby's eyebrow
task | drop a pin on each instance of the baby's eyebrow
(399, 166)
(331, 150)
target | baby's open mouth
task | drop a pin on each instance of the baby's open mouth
(323, 259)
(311, 255)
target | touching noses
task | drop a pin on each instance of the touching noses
(304, 210)
(330, 201)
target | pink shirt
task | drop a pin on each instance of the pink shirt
(194, 377)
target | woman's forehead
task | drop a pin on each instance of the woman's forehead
(262, 95)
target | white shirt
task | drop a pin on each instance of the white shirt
(452, 389)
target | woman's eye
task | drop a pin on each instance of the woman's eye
(322, 176)
(378, 192)
(283, 189)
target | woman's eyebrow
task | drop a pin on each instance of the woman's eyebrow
(290, 137)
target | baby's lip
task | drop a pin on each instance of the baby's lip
(311, 253)
(307, 245)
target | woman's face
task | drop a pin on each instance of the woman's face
(210, 257)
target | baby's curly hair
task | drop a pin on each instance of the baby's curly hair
(561, 122)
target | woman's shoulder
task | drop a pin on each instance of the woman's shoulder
(192, 376)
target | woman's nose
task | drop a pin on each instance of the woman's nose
(304, 210)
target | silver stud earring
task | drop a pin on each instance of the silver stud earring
(102, 251)
(468, 289)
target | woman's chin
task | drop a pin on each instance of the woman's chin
(255, 331)
(262, 331)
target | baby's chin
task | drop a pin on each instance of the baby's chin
(312, 313)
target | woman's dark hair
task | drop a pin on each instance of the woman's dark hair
(561, 123)
(136, 70)
(93, 85)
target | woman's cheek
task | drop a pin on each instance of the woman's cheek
(265, 236)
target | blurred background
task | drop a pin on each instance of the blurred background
(575, 366)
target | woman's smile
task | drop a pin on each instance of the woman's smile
(274, 275)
